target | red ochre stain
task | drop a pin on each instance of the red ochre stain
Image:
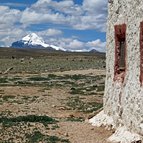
(120, 35)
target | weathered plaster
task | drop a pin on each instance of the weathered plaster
(123, 101)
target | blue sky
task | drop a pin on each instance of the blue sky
(71, 24)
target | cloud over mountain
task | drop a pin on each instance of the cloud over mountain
(57, 20)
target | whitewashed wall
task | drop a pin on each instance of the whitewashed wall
(124, 101)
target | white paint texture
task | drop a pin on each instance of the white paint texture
(122, 135)
(123, 102)
(102, 119)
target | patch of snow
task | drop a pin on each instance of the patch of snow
(102, 119)
(34, 39)
(57, 48)
(122, 135)
(83, 50)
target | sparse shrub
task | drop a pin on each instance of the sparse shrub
(29, 118)
(38, 78)
(75, 119)
(3, 80)
(100, 88)
(75, 103)
(7, 97)
(37, 137)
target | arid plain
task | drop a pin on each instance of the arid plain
(49, 97)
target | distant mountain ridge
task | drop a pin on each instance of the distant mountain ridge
(34, 41)
(94, 51)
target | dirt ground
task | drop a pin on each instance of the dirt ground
(21, 95)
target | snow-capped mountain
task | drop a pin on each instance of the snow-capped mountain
(34, 41)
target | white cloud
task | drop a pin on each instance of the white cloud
(34, 17)
(90, 15)
(96, 6)
(9, 35)
(8, 29)
(73, 44)
(50, 32)
(96, 44)
(8, 17)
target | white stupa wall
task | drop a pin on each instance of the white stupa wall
(123, 100)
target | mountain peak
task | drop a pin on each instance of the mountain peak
(30, 36)
(32, 40)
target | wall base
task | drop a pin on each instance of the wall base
(121, 135)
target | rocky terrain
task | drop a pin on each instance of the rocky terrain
(52, 106)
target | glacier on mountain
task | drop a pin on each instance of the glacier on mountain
(34, 41)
